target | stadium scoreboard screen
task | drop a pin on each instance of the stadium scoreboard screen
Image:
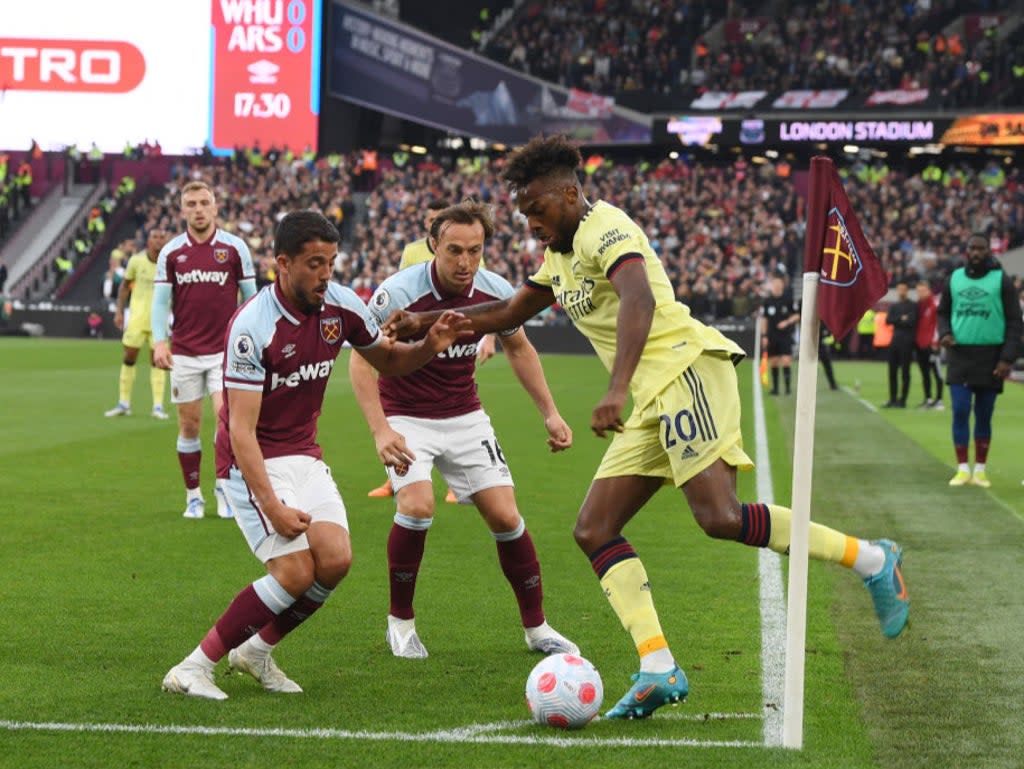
(191, 73)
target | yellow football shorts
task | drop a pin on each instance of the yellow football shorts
(137, 335)
(694, 421)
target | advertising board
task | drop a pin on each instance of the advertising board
(184, 74)
(379, 63)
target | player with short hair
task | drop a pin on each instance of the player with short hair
(281, 349)
(979, 325)
(418, 252)
(200, 274)
(685, 425)
(421, 250)
(434, 417)
(138, 282)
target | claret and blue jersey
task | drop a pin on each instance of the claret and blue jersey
(204, 278)
(446, 386)
(288, 355)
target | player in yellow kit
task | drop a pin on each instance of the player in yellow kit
(685, 426)
(138, 281)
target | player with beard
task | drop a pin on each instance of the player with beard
(980, 327)
(685, 426)
(281, 349)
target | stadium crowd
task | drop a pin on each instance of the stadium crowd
(722, 230)
(619, 47)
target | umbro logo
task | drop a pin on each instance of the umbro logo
(688, 453)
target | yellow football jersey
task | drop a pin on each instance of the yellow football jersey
(140, 272)
(579, 280)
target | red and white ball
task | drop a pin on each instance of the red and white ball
(565, 691)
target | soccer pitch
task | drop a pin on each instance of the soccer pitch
(108, 586)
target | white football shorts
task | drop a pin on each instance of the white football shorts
(302, 482)
(464, 449)
(193, 377)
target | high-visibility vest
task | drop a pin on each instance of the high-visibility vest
(866, 324)
(883, 331)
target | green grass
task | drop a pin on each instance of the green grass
(107, 587)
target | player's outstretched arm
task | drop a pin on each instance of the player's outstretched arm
(391, 446)
(400, 358)
(486, 349)
(490, 316)
(526, 365)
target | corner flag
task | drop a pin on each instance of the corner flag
(852, 278)
(842, 278)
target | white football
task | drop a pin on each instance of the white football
(564, 690)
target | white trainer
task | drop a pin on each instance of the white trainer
(196, 508)
(402, 638)
(223, 507)
(545, 638)
(159, 413)
(122, 409)
(263, 669)
(191, 679)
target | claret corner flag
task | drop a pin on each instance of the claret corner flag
(851, 277)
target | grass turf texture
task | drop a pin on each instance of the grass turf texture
(108, 586)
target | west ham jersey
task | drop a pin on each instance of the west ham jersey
(446, 386)
(581, 281)
(204, 279)
(288, 356)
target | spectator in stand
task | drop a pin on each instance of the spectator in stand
(642, 50)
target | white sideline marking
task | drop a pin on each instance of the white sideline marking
(772, 597)
(1003, 504)
(866, 404)
(464, 735)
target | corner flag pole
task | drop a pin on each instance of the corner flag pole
(837, 292)
(803, 466)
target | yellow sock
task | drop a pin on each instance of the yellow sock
(824, 544)
(157, 383)
(629, 593)
(125, 383)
